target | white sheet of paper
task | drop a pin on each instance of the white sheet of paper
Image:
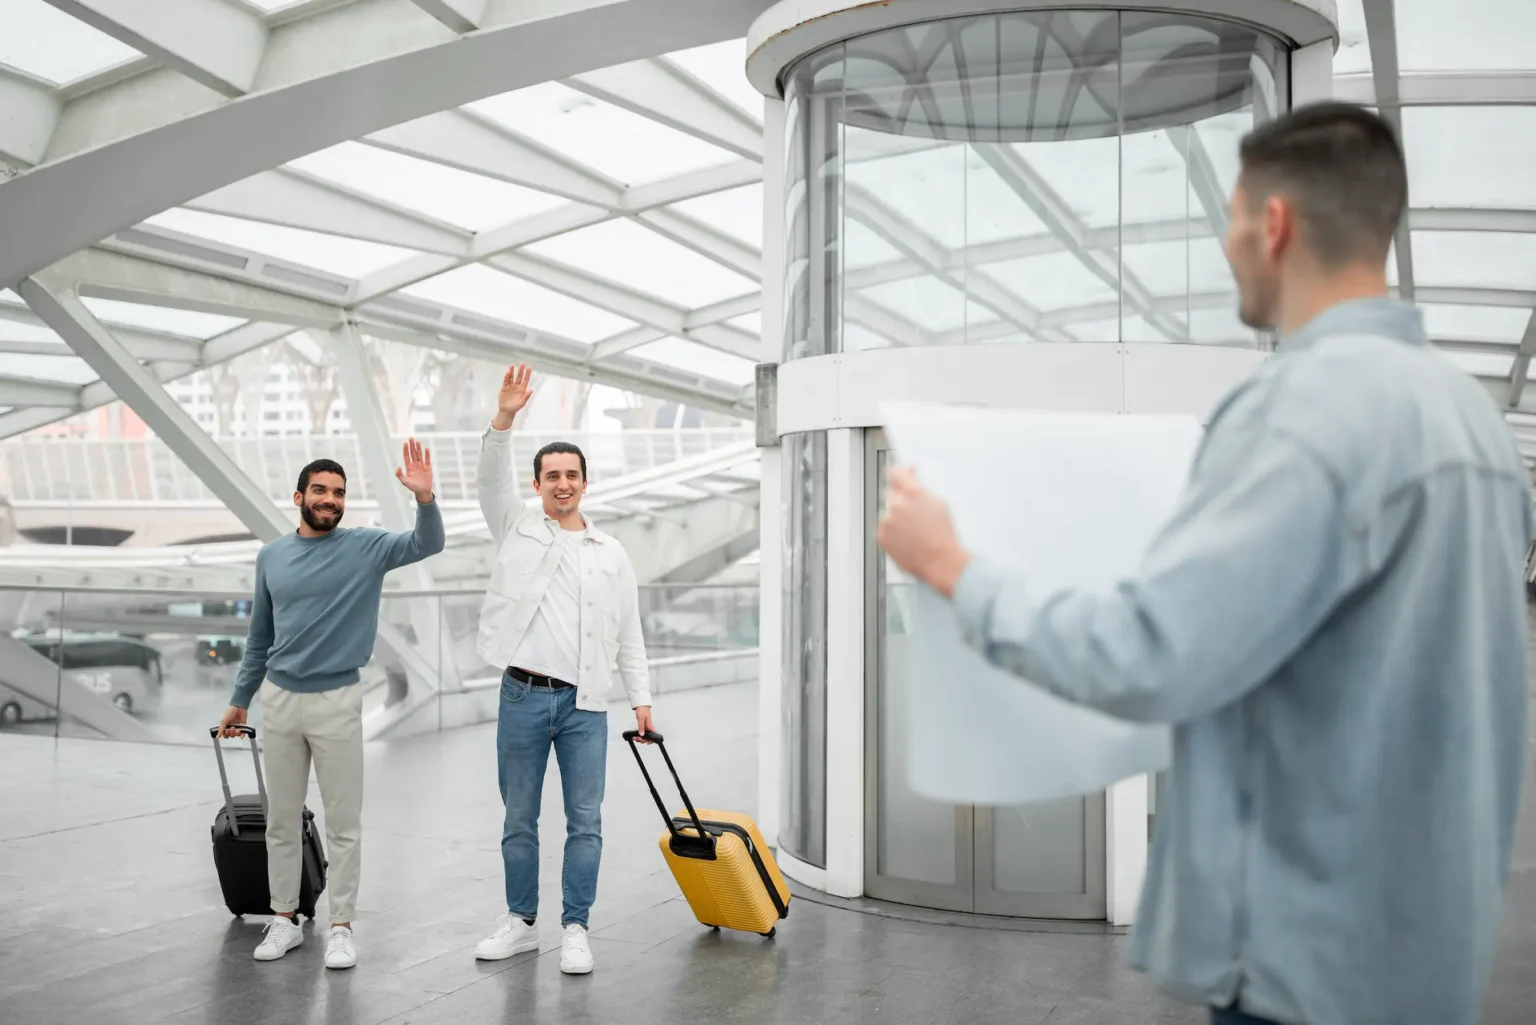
(1073, 500)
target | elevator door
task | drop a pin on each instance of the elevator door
(1031, 861)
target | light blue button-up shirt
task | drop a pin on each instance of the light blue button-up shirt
(1334, 623)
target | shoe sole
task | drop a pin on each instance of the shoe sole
(280, 955)
(575, 970)
(342, 967)
(521, 948)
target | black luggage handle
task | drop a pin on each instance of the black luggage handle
(261, 784)
(702, 846)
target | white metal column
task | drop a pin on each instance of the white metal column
(429, 663)
(1312, 73)
(845, 662)
(770, 640)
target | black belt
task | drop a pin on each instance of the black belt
(535, 680)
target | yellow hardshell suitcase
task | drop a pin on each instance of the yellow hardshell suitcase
(719, 860)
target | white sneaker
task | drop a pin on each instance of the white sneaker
(340, 953)
(283, 934)
(512, 936)
(575, 951)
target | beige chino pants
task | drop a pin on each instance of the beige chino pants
(326, 728)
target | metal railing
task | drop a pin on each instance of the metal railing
(145, 471)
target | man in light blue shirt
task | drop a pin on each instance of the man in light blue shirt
(1333, 622)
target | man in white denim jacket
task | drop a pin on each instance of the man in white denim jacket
(562, 615)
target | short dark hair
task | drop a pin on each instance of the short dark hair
(557, 448)
(320, 466)
(1342, 167)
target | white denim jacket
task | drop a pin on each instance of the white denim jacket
(526, 559)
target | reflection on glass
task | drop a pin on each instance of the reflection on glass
(917, 838)
(160, 667)
(1040, 848)
(804, 828)
(1034, 176)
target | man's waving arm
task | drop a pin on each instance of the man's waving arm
(496, 480)
(407, 546)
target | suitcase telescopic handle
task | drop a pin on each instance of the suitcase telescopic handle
(261, 784)
(656, 738)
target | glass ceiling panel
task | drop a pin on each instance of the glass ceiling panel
(11, 331)
(1474, 259)
(70, 370)
(737, 212)
(1475, 323)
(43, 41)
(161, 318)
(749, 322)
(722, 67)
(697, 359)
(929, 303)
(471, 201)
(1050, 281)
(482, 290)
(1471, 156)
(349, 257)
(624, 146)
(1470, 35)
(638, 258)
(1354, 52)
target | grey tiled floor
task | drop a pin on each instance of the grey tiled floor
(110, 913)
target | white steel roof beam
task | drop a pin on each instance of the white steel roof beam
(31, 110)
(460, 15)
(473, 142)
(214, 43)
(605, 295)
(111, 275)
(663, 92)
(223, 347)
(294, 199)
(57, 303)
(1521, 369)
(25, 391)
(137, 134)
(144, 344)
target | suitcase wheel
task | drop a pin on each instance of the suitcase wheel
(714, 928)
(771, 933)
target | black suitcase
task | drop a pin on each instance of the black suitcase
(240, 845)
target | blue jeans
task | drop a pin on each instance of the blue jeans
(1232, 1016)
(531, 719)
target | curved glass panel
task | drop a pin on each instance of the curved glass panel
(803, 832)
(1035, 176)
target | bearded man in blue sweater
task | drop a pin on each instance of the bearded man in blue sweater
(313, 621)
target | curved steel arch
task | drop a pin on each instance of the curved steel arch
(317, 94)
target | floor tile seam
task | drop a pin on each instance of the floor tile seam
(110, 822)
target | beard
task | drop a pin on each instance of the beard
(315, 519)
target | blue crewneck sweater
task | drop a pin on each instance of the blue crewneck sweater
(315, 611)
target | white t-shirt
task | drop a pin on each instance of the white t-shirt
(552, 644)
